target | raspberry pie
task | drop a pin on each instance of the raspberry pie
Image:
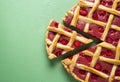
(60, 39)
(100, 19)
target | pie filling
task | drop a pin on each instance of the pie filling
(103, 67)
(107, 3)
(80, 73)
(51, 35)
(116, 21)
(113, 37)
(100, 15)
(96, 30)
(84, 59)
(108, 53)
(117, 73)
(118, 6)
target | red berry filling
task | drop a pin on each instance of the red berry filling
(92, 49)
(63, 40)
(84, 59)
(116, 21)
(80, 25)
(98, 66)
(113, 37)
(51, 35)
(81, 54)
(96, 78)
(118, 6)
(77, 44)
(103, 67)
(108, 53)
(80, 73)
(54, 24)
(68, 19)
(83, 12)
(57, 51)
(117, 73)
(107, 3)
(95, 30)
(100, 15)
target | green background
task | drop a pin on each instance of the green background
(23, 57)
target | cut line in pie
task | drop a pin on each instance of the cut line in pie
(60, 40)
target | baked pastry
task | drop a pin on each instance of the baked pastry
(60, 39)
(99, 18)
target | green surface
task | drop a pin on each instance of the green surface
(23, 56)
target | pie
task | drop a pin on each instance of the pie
(100, 19)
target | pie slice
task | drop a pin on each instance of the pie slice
(60, 39)
(99, 18)
(100, 63)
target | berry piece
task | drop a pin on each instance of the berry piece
(98, 66)
(68, 19)
(83, 12)
(63, 40)
(80, 25)
(58, 52)
(51, 35)
(54, 24)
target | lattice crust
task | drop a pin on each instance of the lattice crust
(100, 63)
(99, 18)
(60, 39)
